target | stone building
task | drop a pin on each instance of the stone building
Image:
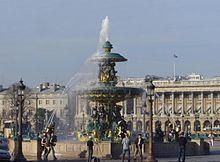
(52, 98)
(47, 96)
(190, 104)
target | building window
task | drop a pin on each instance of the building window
(40, 102)
(3, 102)
(3, 113)
(61, 112)
(61, 102)
(198, 96)
(207, 95)
(28, 102)
(47, 102)
(130, 106)
(188, 96)
(168, 96)
(54, 102)
(217, 96)
(178, 96)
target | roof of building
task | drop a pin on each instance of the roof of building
(44, 88)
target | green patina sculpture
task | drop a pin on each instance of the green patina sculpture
(107, 122)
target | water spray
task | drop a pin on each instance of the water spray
(84, 73)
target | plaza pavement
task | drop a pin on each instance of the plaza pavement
(213, 157)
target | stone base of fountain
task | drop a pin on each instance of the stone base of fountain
(109, 150)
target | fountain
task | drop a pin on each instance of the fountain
(107, 122)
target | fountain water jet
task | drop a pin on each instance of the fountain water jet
(103, 36)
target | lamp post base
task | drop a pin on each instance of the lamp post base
(20, 158)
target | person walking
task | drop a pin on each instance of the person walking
(90, 145)
(44, 148)
(182, 147)
(139, 143)
(211, 137)
(52, 143)
(126, 147)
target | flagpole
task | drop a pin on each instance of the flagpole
(174, 69)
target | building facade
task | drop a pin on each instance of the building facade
(191, 104)
(50, 97)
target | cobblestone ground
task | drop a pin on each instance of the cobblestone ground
(213, 157)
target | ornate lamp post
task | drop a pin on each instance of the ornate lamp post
(83, 122)
(183, 123)
(144, 116)
(132, 122)
(19, 157)
(150, 94)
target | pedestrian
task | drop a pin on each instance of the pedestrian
(182, 147)
(138, 144)
(52, 143)
(126, 147)
(211, 137)
(44, 148)
(90, 145)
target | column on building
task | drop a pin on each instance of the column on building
(182, 97)
(202, 103)
(135, 106)
(193, 108)
(212, 103)
(156, 110)
(163, 104)
(173, 103)
(182, 112)
(154, 106)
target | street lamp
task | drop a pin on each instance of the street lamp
(150, 94)
(183, 123)
(83, 122)
(132, 122)
(19, 157)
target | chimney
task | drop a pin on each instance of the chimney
(54, 87)
(46, 85)
(41, 87)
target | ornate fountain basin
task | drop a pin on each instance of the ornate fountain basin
(110, 94)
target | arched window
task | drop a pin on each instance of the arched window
(178, 125)
(187, 126)
(147, 126)
(139, 126)
(207, 125)
(157, 124)
(130, 106)
(197, 126)
(168, 127)
(217, 123)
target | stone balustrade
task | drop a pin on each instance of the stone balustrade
(113, 150)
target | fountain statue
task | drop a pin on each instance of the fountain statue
(107, 122)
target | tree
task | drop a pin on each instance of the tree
(40, 119)
(12, 102)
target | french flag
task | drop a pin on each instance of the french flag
(175, 56)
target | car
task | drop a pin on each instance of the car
(3, 143)
(4, 155)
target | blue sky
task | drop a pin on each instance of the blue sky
(48, 40)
